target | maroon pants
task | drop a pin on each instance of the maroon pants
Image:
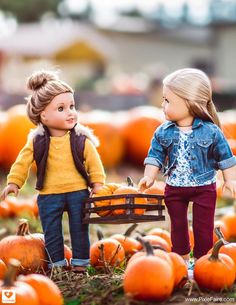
(204, 201)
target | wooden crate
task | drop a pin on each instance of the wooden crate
(129, 206)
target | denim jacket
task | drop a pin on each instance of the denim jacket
(209, 150)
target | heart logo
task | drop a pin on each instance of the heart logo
(8, 294)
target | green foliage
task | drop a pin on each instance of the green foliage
(29, 10)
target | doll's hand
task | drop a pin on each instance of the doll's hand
(145, 183)
(10, 188)
(229, 188)
(96, 188)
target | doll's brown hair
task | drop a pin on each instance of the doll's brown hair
(194, 87)
(45, 85)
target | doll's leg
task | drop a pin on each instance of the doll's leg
(50, 212)
(78, 231)
(177, 204)
(203, 219)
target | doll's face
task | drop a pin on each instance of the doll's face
(60, 115)
(175, 108)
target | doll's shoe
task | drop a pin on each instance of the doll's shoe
(79, 269)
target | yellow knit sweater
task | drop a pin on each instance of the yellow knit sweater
(61, 174)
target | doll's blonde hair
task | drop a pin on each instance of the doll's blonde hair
(45, 85)
(194, 86)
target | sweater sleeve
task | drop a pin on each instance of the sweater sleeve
(20, 169)
(93, 163)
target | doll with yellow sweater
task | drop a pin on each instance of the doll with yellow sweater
(68, 165)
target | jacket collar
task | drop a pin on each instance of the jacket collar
(196, 123)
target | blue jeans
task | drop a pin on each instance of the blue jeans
(51, 208)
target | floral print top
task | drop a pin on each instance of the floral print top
(181, 175)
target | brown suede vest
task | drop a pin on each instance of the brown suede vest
(41, 147)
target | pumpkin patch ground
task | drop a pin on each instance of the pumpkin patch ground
(105, 286)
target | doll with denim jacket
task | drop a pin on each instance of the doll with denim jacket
(61, 177)
(188, 149)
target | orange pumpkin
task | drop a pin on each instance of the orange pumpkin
(215, 271)
(223, 229)
(14, 133)
(111, 148)
(107, 251)
(227, 248)
(3, 119)
(24, 293)
(230, 223)
(158, 188)
(106, 190)
(47, 291)
(138, 131)
(3, 269)
(162, 233)
(130, 245)
(157, 241)
(4, 210)
(25, 247)
(180, 269)
(129, 189)
(149, 278)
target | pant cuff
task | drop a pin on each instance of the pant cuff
(79, 262)
(61, 263)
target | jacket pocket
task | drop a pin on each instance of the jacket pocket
(166, 142)
(205, 143)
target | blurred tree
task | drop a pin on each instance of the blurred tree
(29, 10)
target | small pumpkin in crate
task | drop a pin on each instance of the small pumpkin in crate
(127, 189)
(107, 190)
(157, 188)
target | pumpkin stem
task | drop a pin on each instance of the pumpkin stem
(23, 227)
(100, 235)
(215, 252)
(129, 181)
(11, 272)
(220, 235)
(146, 245)
(130, 229)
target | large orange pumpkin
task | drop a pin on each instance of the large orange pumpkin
(111, 148)
(149, 278)
(47, 291)
(106, 251)
(215, 271)
(24, 293)
(25, 247)
(127, 189)
(138, 131)
(3, 119)
(14, 133)
(180, 269)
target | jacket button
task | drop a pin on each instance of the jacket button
(192, 147)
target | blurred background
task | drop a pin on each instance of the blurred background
(115, 55)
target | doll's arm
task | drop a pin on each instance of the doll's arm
(229, 176)
(149, 177)
(10, 188)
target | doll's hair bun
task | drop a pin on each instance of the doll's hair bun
(39, 79)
